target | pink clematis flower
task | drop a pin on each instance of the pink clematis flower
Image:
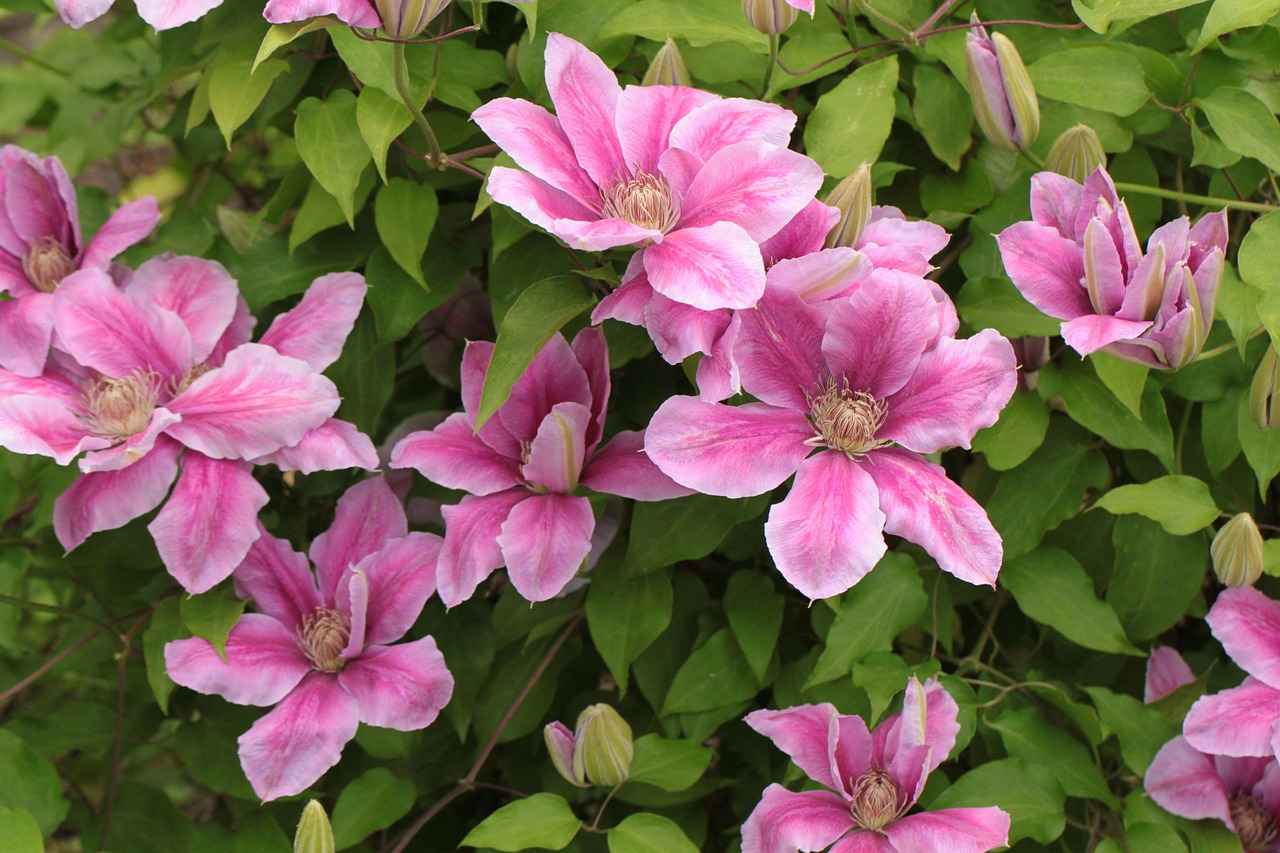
(873, 777)
(523, 467)
(695, 180)
(1245, 720)
(40, 245)
(162, 378)
(1079, 260)
(317, 647)
(853, 378)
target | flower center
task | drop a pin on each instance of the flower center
(119, 408)
(191, 376)
(47, 263)
(846, 420)
(645, 200)
(323, 636)
(1254, 823)
(876, 800)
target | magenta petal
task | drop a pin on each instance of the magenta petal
(1166, 672)
(757, 186)
(167, 14)
(714, 266)
(969, 830)
(863, 841)
(77, 13)
(26, 330)
(806, 733)
(45, 425)
(401, 577)
(557, 452)
(1185, 782)
(585, 94)
(454, 457)
(536, 141)
(1239, 722)
(875, 338)
(602, 234)
(561, 746)
(779, 349)
(622, 468)
(315, 329)
(399, 687)
(554, 376)
(332, 446)
(805, 234)
(257, 402)
(713, 127)
(592, 351)
(627, 304)
(356, 13)
(1093, 332)
(1047, 268)
(202, 293)
(475, 365)
(470, 552)
(263, 662)
(922, 506)
(538, 201)
(130, 223)
(278, 579)
(645, 117)
(290, 748)
(111, 499)
(784, 821)
(733, 451)
(1247, 623)
(679, 330)
(821, 275)
(368, 515)
(544, 541)
(827, 533)
(209, 522)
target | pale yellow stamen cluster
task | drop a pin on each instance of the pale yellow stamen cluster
(47, 263)
(846, 420)
(323, 636)
(877, 802)
(119, 408)
(645, 200)
(1254, 822)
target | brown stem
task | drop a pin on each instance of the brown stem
(46, 666)
(113, 785)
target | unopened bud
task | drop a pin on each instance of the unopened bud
(771, 17)
(1077, 153)
(667, 68)
(406, 19)
(1262, 396)
(853, 197)
(314, 835)
(1237, 551)
(1004, 100)
(604, 746)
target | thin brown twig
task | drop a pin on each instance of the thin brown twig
(113, 784)
(46, 666)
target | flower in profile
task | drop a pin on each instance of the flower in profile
(873, 779)
(696, 181)
(523, 467)
(873, 382)
(1004, 99)
(40, 245)
(598, 751)
(1079, 260)
(318, 647)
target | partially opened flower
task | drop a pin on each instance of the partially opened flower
(696, 181)
(318, 646)
(1079, 260)
(872, 382)
(873, 779)
(523, 467)
(40, 245)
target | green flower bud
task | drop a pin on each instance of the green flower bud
(1262, 396)
(406, 19)
(667, 68)
(314, 835)
(1077, 153)
(771, 17)
(1237, 551)
(604, 746)
(1004, 100)
(853, 196)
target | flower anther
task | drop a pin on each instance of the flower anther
(643, 199)
(119, 408)
(846, 420)
(877, 802)
(1255, 824)
(47, 263)
(323, 636)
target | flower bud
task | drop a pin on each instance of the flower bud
(1237, 551)
(406, 19)
(604, 746)
(771, 17)
(853, 197)
(667, 68)
(1077, 153)
(1262, 396)
(314, 835)
(561, 745)
(1004, 101)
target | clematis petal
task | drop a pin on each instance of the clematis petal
(823, 274)
(475, 365)
(544, 541)
(862, 841)
(1247, 623)
(554, 376)
(315, 329)
(718, 376)
(646, 116)
(922, 506)
(627, 304)
(278, 579)
(733, 451)
(712, 266)
(679, 330)
(1055, 201)
(1093, 332)
(538, 201)
(470, 552)
(202, 293)
(399, 687)
(536, 141)
(167, 14)
(401, 577)
(714, 126)
(45, 425)
(355, 13)
(585, 93)
(592, 351)
(262, 665)
(784, 821)
(557, 452)
(1185, 782)
(26, 330)
(209, 522)
(454, 457)
(779, 349)
(806, 733)
(77, 13)
(1047, 268)
(827, 533)
(131, 222)
(622, 468)
(290, 748)
(1166, 672)
(962, 830)
(1240, 721)
(757, 186)
(368, 515)
(805, 234)
(111, 499)
(133, 448)
(332, 446)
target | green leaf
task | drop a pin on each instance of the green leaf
(672, 765)
(165, 626)
(1261, 446)
(1181, 504)
(1099, 14)
(329, 141)
(1030, 793)
(1100, 78)
(212, 615)
(994, 303)
(1140, 729)
(1238, 303)
(754, 610)
(365, 375)
(1028, 735)
(370, 802)
(1143, 837)
(236, 90)
(649, 833)
(1020, 431)
(1259, 256)
(626, 614)
(941, 108)
(1125, 379)
(1227, 15)
(1155, 577)
(370, 61)
(1052, 588)
(19, 832)
(397, 302)
(405, 212)
(543, 820)
(665, 532)
(850, 123)
(538, 313)
(281, 34)
(715, 675)
(30, 783)
(700, 24)
(1244, 124)
(878, 608)
(381, 119)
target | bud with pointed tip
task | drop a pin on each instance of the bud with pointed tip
(314, 835)
(597, 752)
(667, 68)
(1004, 100)
(1237, 551)
(1077, 153)
(853, 197)
(771, 17)
(1264, 404)
(406, 19)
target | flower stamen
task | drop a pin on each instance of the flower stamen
(645, 200)
(877, 802)
(323, 636)
(846, 420)
(1255, 824)
(120, 408)
(47, 263)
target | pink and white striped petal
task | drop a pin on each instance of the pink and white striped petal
(1247, 623)
(554, 376)
(784, 821)
(26, 331)
(315, 329)
(585, 93)
(1166, 672)
(401, 577)
(278, 579)
(558, 451)
(779, 349)
(536, 141)
(544, 541)
(1092, 332)
(332, 446)
(715, 126)
(355, 13)
(400, 687)
(1185, 782)
(470, 552)
(262, 665)
(111, 499)
(807, 733)
(537, 201)
(1241, 721)
(202, 293)
(646, 116)
(47, 426)
(131, 223)
(368, 515)
(454, 457)
(713, 266)
(757, 186)
(961, 830)
(622, 468)
(1047, 268)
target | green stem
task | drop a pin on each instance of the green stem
(1183, 425)
(435, 157)
(774, 40)
(872, 12)
(1227, 347)
(27, 56)
(1031, 158)
(27, 604)
(1256, 207)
